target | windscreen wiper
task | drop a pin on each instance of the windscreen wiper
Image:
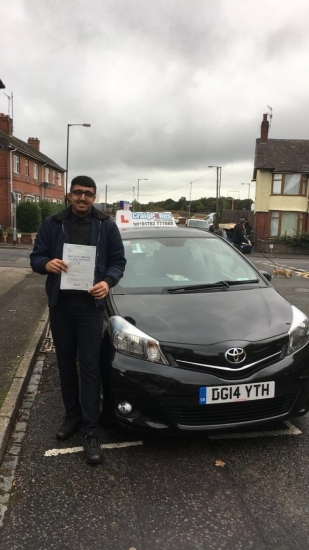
(243, 282)
(196, 288)
(201, 288)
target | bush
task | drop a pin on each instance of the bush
(49, 208)
(28, 217)
(300, 239)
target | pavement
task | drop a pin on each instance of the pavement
(23, 324)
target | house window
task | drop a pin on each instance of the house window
(286, 223)
(47, 174)
(27, 167)
(289, 184)
(16, 164)
(29, 198)
(37, 198)
(289, 223)
(59, 179)
(277, 184)
(59, 201)
(35, 171)
(18, 197)
(301, 222)
(274, 224)
(54, 177)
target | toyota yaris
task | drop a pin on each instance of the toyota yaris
(197, 339)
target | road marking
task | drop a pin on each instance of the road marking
(69, 450)
(297, 272)
(292, 430)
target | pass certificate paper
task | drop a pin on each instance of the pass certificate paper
(81, 262)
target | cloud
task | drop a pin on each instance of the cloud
(169, 88)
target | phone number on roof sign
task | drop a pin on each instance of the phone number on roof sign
(137, 224)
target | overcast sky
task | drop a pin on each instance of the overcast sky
(168, 86)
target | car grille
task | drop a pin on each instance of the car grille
(231, 413)
(258, 356)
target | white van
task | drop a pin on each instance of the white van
(210, 219)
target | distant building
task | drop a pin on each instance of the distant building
(30, 174)
(281, 169)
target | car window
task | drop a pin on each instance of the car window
(198, 223)
(158, 263)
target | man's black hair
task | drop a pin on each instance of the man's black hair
(83, 180)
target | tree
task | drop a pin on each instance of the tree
(48, 208)
(28, 217)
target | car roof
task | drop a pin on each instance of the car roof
(154, 232)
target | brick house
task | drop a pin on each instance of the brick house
(30, 174)
(281, 169)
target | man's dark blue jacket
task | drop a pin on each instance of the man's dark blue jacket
(104, 235)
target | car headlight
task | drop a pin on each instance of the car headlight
(128, 339)
(299, 331)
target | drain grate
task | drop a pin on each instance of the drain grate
(48, 343)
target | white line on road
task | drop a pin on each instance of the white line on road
(292, 430)
(289, 430)
(56, 452)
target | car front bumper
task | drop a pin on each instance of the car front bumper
(166, 399)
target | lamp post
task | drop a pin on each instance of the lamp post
(141, 179)
(248, 189)
(218, 185)
(67, 162)
(190, 199)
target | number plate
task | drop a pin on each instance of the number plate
(233, 394)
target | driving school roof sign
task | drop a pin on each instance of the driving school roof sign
(126, 218)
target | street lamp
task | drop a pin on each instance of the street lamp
(190, 199)
(142, 179)
(133, 202)
(248, 189)
(67, 162)
(218, 186)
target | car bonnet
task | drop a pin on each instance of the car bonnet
(208, 317)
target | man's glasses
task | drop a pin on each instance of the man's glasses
(80, 193)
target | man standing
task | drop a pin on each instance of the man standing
(239, 236)
(76, 316)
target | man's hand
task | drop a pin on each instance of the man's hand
(56, 266)
(99, 291)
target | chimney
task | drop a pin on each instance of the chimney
(6, 124)
(35, 143)
(264, 129)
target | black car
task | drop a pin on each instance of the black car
(197, 339)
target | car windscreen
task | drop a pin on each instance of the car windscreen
(164, 262)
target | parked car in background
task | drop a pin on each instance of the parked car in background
(198, 224)
(197, 339)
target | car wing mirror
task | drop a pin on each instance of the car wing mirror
(267, 275)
